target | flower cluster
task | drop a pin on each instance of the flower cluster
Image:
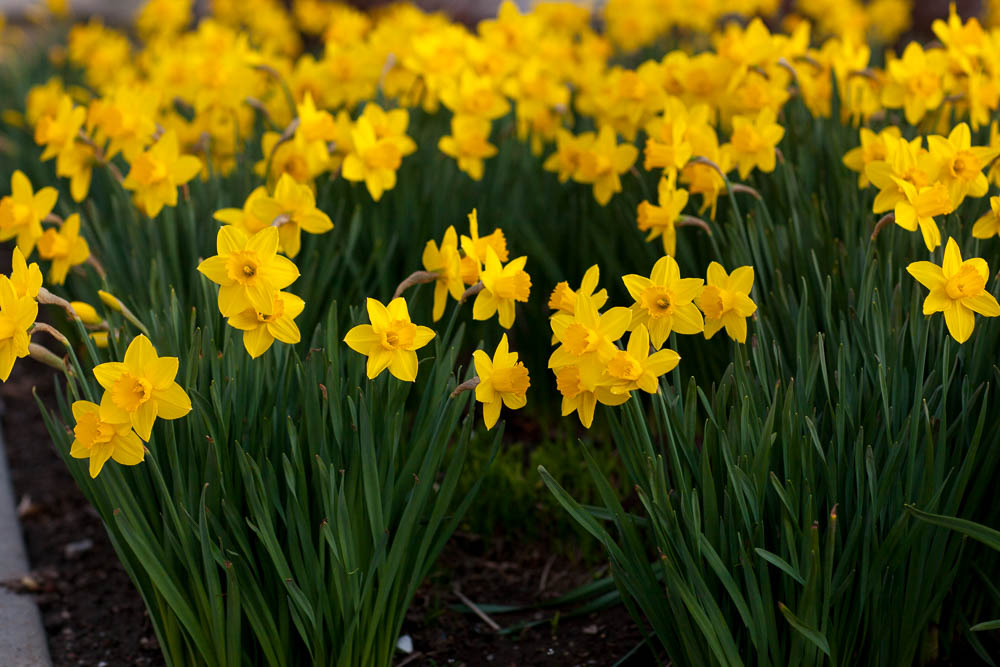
(589, 363)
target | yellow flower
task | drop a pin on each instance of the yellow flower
(26, 279)
(22, 212)
(668, 146)
(569, 152)
(660, 220)
(587, 333)
(726, 302)
(474, 246)
(469, 144)
(962, 163)
(663, 302)
(390, 341)
(635, 368)
(155, 174)
(58, 131)
(502, 381)
(98, 437)
(754, 140)
(563, 297)
(292, 209)
(919, 208)
(582, 386)
(474, 95)
(248, 270)
(76, 162)
(914, 82)
(66, 248)
(873, 148)
(446, 263)
(502, 286)
(141, 388)
(260, 330)
(603, 161)
(244, 218)
(989, 224)
(905, 160)
(379, 143)
(17, 314)
(958, 289)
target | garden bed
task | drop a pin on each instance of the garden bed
(93, 614)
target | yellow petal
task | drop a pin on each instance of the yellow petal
(172, 402)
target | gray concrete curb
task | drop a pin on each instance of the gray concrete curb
(22, 637)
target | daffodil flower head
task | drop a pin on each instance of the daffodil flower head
(503, 380)
(753, 142)
(957, 288)
(661, 220)
(663, 302)
(583, 385)
(563, 297)
(260, 330)
(292, 209)
(390, 341)
(17, 314)
(726, 302)
(502, 287)
(141, 388)
(156, 173)
(98, 437)
(635, 368)
(22, 212)
(65, 247)
(919, 207)
(962, 163)
(988, 225)
(587, 332)
(474, 247)
(26, 278)
(248, 269)
(446, 263)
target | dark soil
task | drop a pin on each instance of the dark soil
(94, 616)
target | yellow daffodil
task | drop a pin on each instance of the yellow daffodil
(22, 212)
(663, 302)
(474, 95)
(873, 148)
(260, 330)
(563, 297)
(469, 144)
(156, 173)
(248, 270)
(602, 163)
(661, 219)
(988, 225)
(446, 263)
(635, 368)
(57, 131)
(502, 287)
(919, 208)
(65, 247)
(25, 278)
(474, 248)
(379, 143)
(503, 380)
(914, 82)
(96, 436)
(244, 218)
(726, 302)
(292, 209)
(587, 332)
(583, 386)
(390, 341)
(565, 161)
(962, 163)
(141, 388)
(76, 162)
(17, 314)
(754, 140)
(957, 288)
